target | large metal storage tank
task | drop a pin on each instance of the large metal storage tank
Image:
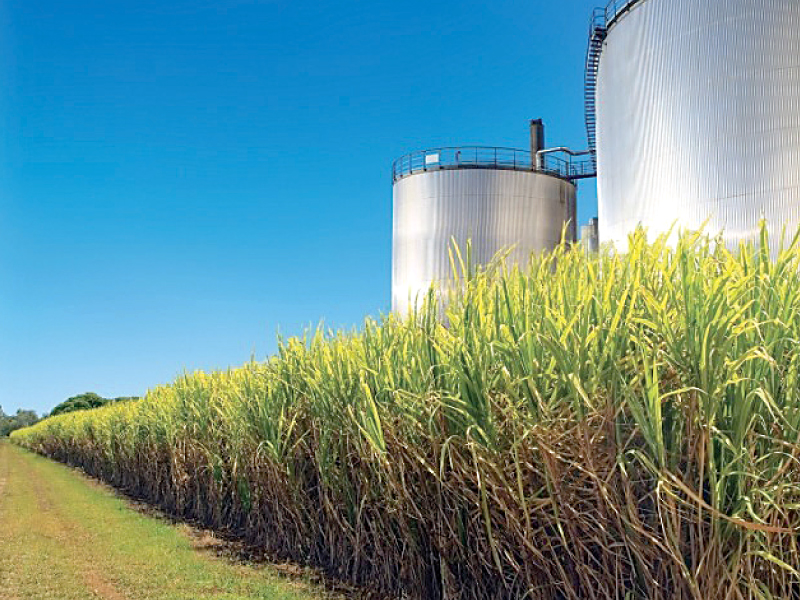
(493, 196)
(698, 117)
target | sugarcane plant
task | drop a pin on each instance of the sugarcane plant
(584, 426)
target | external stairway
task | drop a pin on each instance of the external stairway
(597, 37)
(602, 19)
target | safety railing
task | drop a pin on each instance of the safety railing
(616, 8)
(487, 157)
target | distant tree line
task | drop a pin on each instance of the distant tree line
(86, 401)
(9, 423)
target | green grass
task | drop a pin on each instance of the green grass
(591, 427)
(64, 537)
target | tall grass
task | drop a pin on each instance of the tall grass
(612, 426)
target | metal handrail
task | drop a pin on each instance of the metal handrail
(604, 17)
(489, 157)
(615, 9)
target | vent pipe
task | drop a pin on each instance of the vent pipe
(537, 140)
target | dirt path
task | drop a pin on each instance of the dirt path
(31, 538)
(63, 538)
(71, 537)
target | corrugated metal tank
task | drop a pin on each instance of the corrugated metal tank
(495, 208)
(698, 108)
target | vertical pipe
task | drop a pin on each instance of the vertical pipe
(537, 142)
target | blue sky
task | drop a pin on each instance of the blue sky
(182, 179)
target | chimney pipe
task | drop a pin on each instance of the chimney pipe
(537, 140)
(537, 136)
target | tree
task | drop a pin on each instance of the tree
(23, 418)
(80, 402)
(85, 401)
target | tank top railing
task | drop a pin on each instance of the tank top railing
(487, 157)
(615, 8)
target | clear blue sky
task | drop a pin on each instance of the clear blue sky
(182, 179)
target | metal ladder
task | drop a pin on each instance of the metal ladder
(598, 30)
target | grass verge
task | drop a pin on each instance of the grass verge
(63, 537)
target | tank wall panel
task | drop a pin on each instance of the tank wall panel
(496, 209)
(699, 118)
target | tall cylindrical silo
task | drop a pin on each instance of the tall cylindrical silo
(698, 117)
(491, 196)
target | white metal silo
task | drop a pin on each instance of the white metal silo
(698, 117)
(495, 197)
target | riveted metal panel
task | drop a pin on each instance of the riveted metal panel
(496, 209)
(699, 118)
